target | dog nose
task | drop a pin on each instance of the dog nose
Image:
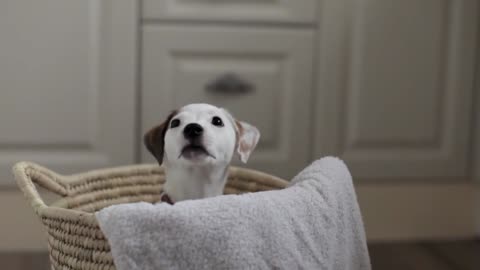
(192, 131)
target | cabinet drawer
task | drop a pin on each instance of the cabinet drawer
(298, 11)
(262, 77)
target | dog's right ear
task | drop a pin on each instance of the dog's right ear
(154, 139)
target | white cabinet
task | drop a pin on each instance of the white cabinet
(179, 64)
(385, 84)
(391, 91)
(67, 79)
(395, 85)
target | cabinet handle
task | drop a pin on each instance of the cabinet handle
(229, 83)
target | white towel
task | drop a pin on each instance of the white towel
(315, 223)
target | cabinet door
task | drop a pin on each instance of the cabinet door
(67, 83)
(180, 63)
(395, 86)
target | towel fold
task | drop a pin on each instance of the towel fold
(315, 223)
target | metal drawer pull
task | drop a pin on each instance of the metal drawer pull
(230, 83)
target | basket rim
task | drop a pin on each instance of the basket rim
(28, 174)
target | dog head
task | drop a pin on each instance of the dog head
(201, 134)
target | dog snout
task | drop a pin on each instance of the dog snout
(192, 131)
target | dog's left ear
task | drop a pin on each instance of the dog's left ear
(154, 139)
(247, 139)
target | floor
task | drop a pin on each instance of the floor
(464, 255)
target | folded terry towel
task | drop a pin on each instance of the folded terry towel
(315, 223)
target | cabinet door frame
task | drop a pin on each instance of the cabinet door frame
(447, 161)
(114, 89)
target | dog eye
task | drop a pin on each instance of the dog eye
(217, 121)
(175, 123)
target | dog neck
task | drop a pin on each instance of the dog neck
(195, 182)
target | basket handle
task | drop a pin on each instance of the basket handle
(27, 174)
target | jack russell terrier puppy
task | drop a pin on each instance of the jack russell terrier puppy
(196, 144)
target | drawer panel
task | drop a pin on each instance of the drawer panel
(262, 77)
(298, 11)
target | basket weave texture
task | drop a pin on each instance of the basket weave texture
(75, 240)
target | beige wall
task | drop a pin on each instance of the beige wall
(417, 211)
(20, 229)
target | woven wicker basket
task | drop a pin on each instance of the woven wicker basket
(75, 240)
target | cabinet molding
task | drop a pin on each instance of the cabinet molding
(270, 11)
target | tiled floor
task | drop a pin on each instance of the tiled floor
(464, 255)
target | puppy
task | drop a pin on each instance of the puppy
(196, 144)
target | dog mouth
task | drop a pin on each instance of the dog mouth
(191, 151)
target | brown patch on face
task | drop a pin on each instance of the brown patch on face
(154, 139)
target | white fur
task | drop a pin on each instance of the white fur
(205, 175)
